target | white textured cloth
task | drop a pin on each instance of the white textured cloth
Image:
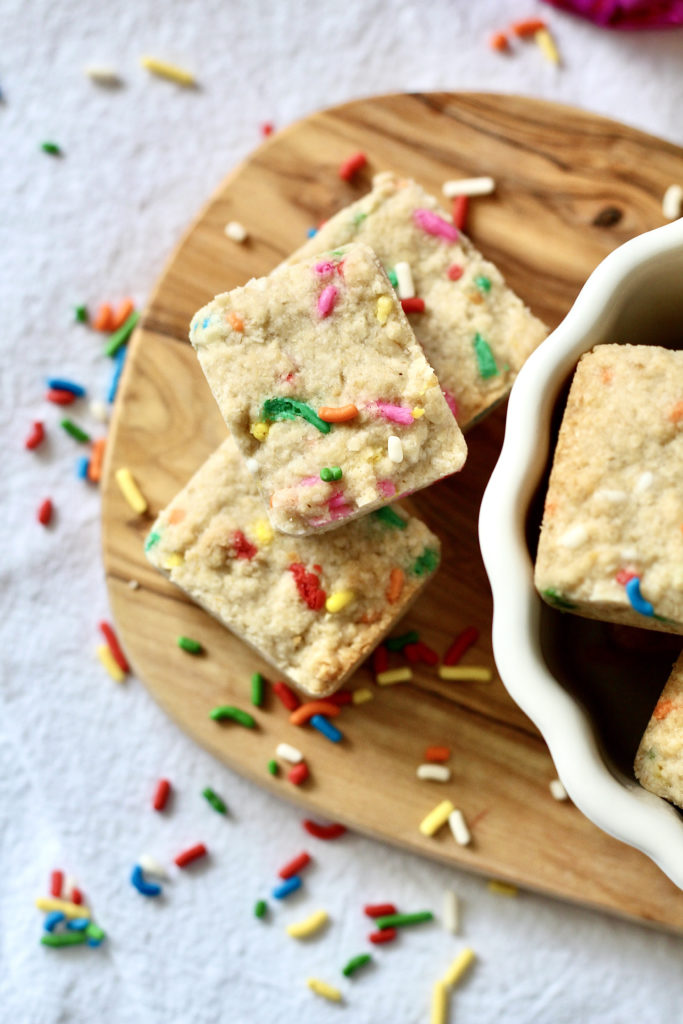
(79, 756)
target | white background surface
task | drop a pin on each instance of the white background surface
(79, 756)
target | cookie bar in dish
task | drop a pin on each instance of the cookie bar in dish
(659, 760)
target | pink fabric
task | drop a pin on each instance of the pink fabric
(435, 225)
(626, 14)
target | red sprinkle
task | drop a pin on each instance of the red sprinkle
(36, 436)
(56, 883)
(427, 655)
(378, 909)
(341, 698)
(455, 272)
(308, 585)
(411, 652)
(380, 659)
(293, 867)
(351, 166)
(76, 896)
(60, 397)
(188, 856)
(298, 774)
(437, 754)
(113, 645)
(460, 204)
(624, 575)
(161, 794)
(461, 643)
(414, 305)
(45, 512)
(267, 129)
(242, 547)
(286, 695)
(333, 831)
(385, 935)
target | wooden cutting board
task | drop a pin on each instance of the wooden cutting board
(570, 187)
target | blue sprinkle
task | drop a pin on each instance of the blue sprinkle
(52, 919)
(312, 232)
(291, 885)
(78, 924)
(82, 467)
(61, 384)
(143, 887)
(638, 602)
(324, 726)
(119, 360)
(205, 322)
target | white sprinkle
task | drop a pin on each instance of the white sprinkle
(434, 772)
(468, 187)
(574, 537)
(644, 482)
(395, 449)
(289, 753)
(458, 826)
(150, 866)
(613, 497)
(133, 584)
(99, 410)
(252, 465)
(68, 887)
(557, 790)
(404, 278)
(451, 912)
(103, 75)
(236, 231)
(672, 202)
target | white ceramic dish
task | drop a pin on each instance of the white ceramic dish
(635, 295)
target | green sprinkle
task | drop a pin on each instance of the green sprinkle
(224, 711)
(64, 938)
(426, 562)
(258, 685)
(483, 283)
(215, 801)
(400, 920)
(81, 314)
(260, 908)
(397, 643)
(152, 538)
(554, 597)
(273, 767)
(358, 218)
(651, 753)
(355, 962)
(75, 431)
(288, 409)
(94, 934)
(53, 149)
(120, 337)
(190, 645)
(391, 274)
(328, 473)
(485, 357)
(390, 518)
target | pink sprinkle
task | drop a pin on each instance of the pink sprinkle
(326, 301)
(435, 225)
(624, 575)
(341, 512)
(308, 481)
(387, 488)
(325, 267)
(450, 401)
(337, 500)
(455, 272)
(394, 413)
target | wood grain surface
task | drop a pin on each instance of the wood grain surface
(570, 187)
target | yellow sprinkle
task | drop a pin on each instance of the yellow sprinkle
(476, 672)
(458, 967)
(107, 659)
(321, 988)
(546, 44)
(67, 908)
(339, 600)
(376, 456)
(166, 70)
(309, 926)
(263, 531)
(394, 675)
(362, 696)
(259, 430)
(417, 412)
(439, 1011)
(501, 888)
(173, 561)
(436, 818)
(130, 490)
(383, 308)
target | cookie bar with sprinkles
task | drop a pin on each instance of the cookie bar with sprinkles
(611, 542)
(659, 759)
(326, 391)
(474, 330)
(314, 607)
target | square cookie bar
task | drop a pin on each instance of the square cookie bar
(611, 543)
(475, 331)
(314, 607)
(659, 760)
(326, 391)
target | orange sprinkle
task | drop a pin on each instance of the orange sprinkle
(176, 516)
(330, 414)
(499, 42)
(367, 618)
(122, 313)
(662, 709)
(676, 414)
(606, 374)
(396, 581)
(95, 464)
(437, 754)
(314, 707)
(104, 319)
(235, 321)
(527, 27)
